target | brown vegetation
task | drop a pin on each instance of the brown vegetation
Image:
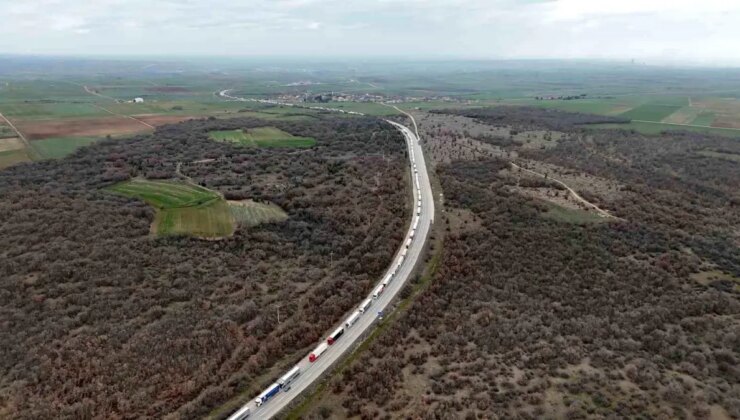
(100, 320)
(529, 317)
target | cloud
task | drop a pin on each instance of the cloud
(689, 29)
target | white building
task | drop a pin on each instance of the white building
(138, 100)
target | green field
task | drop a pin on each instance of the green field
(705, 118)
(59, 147)
(262, 137)
(211, 220)
(650, 112)
(166, 194)
(11, 157)
(186, 209)
(182, 209)
(251, 213)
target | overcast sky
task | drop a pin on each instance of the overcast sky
(695, 31)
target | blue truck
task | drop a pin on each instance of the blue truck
(267, 394)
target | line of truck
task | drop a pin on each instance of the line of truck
(284, 382)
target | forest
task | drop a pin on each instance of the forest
(101, 319)
(530, 317)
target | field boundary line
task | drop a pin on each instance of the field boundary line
(29, 147)
(688, 125)
(125, 116)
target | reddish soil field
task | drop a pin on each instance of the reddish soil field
(726, 122)
(156, 120)
(168, 89)
(82, 127)
(92, 127)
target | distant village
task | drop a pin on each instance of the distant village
(362, 97)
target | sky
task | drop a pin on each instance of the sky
(704, 32)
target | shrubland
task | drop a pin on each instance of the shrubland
(534, 317)
(100, 319)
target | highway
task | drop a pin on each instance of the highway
(310, 372)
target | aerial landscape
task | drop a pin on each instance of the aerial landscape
(456, 210)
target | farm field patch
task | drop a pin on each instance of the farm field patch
(704, 118)
(11, 143)
(597, 106)
(683, 115)
(42, 111)
(165, 194)
(182, 209)
(58, 147)
(263, 137)
(213, 220)
(12, 157)
(82, 127)
(650, 112)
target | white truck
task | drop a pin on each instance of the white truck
(289, 377)
(242, 414)
(378, 291)
(365, 305)
(318, 351)
(352, 319)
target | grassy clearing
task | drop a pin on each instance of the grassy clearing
(251, 213)
(182, 209)
(574, 216)
(12, 157)
(59, 147)
(707, 278)
(211, 220)
(263, 137)
(650, 112)
(233, 136)
(166, 194)
(185, 209)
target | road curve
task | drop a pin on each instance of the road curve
(310, 372)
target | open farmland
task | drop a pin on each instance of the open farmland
(166, 194)
(59, 147)
(85, 127)
(650, 112)
(263, 137)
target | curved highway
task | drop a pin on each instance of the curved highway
(424, 216)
